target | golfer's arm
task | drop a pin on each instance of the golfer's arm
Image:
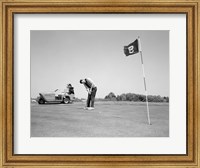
(87, 89)
(91, 90)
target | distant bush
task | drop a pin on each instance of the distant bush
(77, 99)
(111, 96)
(135, 97)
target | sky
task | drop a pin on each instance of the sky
(59, 57)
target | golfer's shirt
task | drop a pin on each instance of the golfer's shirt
(89, 83)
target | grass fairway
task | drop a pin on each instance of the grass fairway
(108, 119)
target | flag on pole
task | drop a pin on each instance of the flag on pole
(132, 48)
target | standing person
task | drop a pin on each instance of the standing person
(91, 89)
(69, 91)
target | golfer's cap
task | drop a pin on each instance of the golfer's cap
(69, 85)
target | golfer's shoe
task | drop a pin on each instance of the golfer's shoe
(90, 108)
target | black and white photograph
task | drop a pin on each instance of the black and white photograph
(99, 83)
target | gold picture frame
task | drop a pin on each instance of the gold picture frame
(11, 7)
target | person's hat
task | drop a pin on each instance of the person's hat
(69, 85)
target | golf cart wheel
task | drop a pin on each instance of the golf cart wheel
(66, 100)
(41, 101)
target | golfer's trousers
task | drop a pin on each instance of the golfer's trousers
(91, 97)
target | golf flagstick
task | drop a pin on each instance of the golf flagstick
(140, 50)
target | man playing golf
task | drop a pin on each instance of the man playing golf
(91, 89)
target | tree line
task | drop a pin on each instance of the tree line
(135, 97)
